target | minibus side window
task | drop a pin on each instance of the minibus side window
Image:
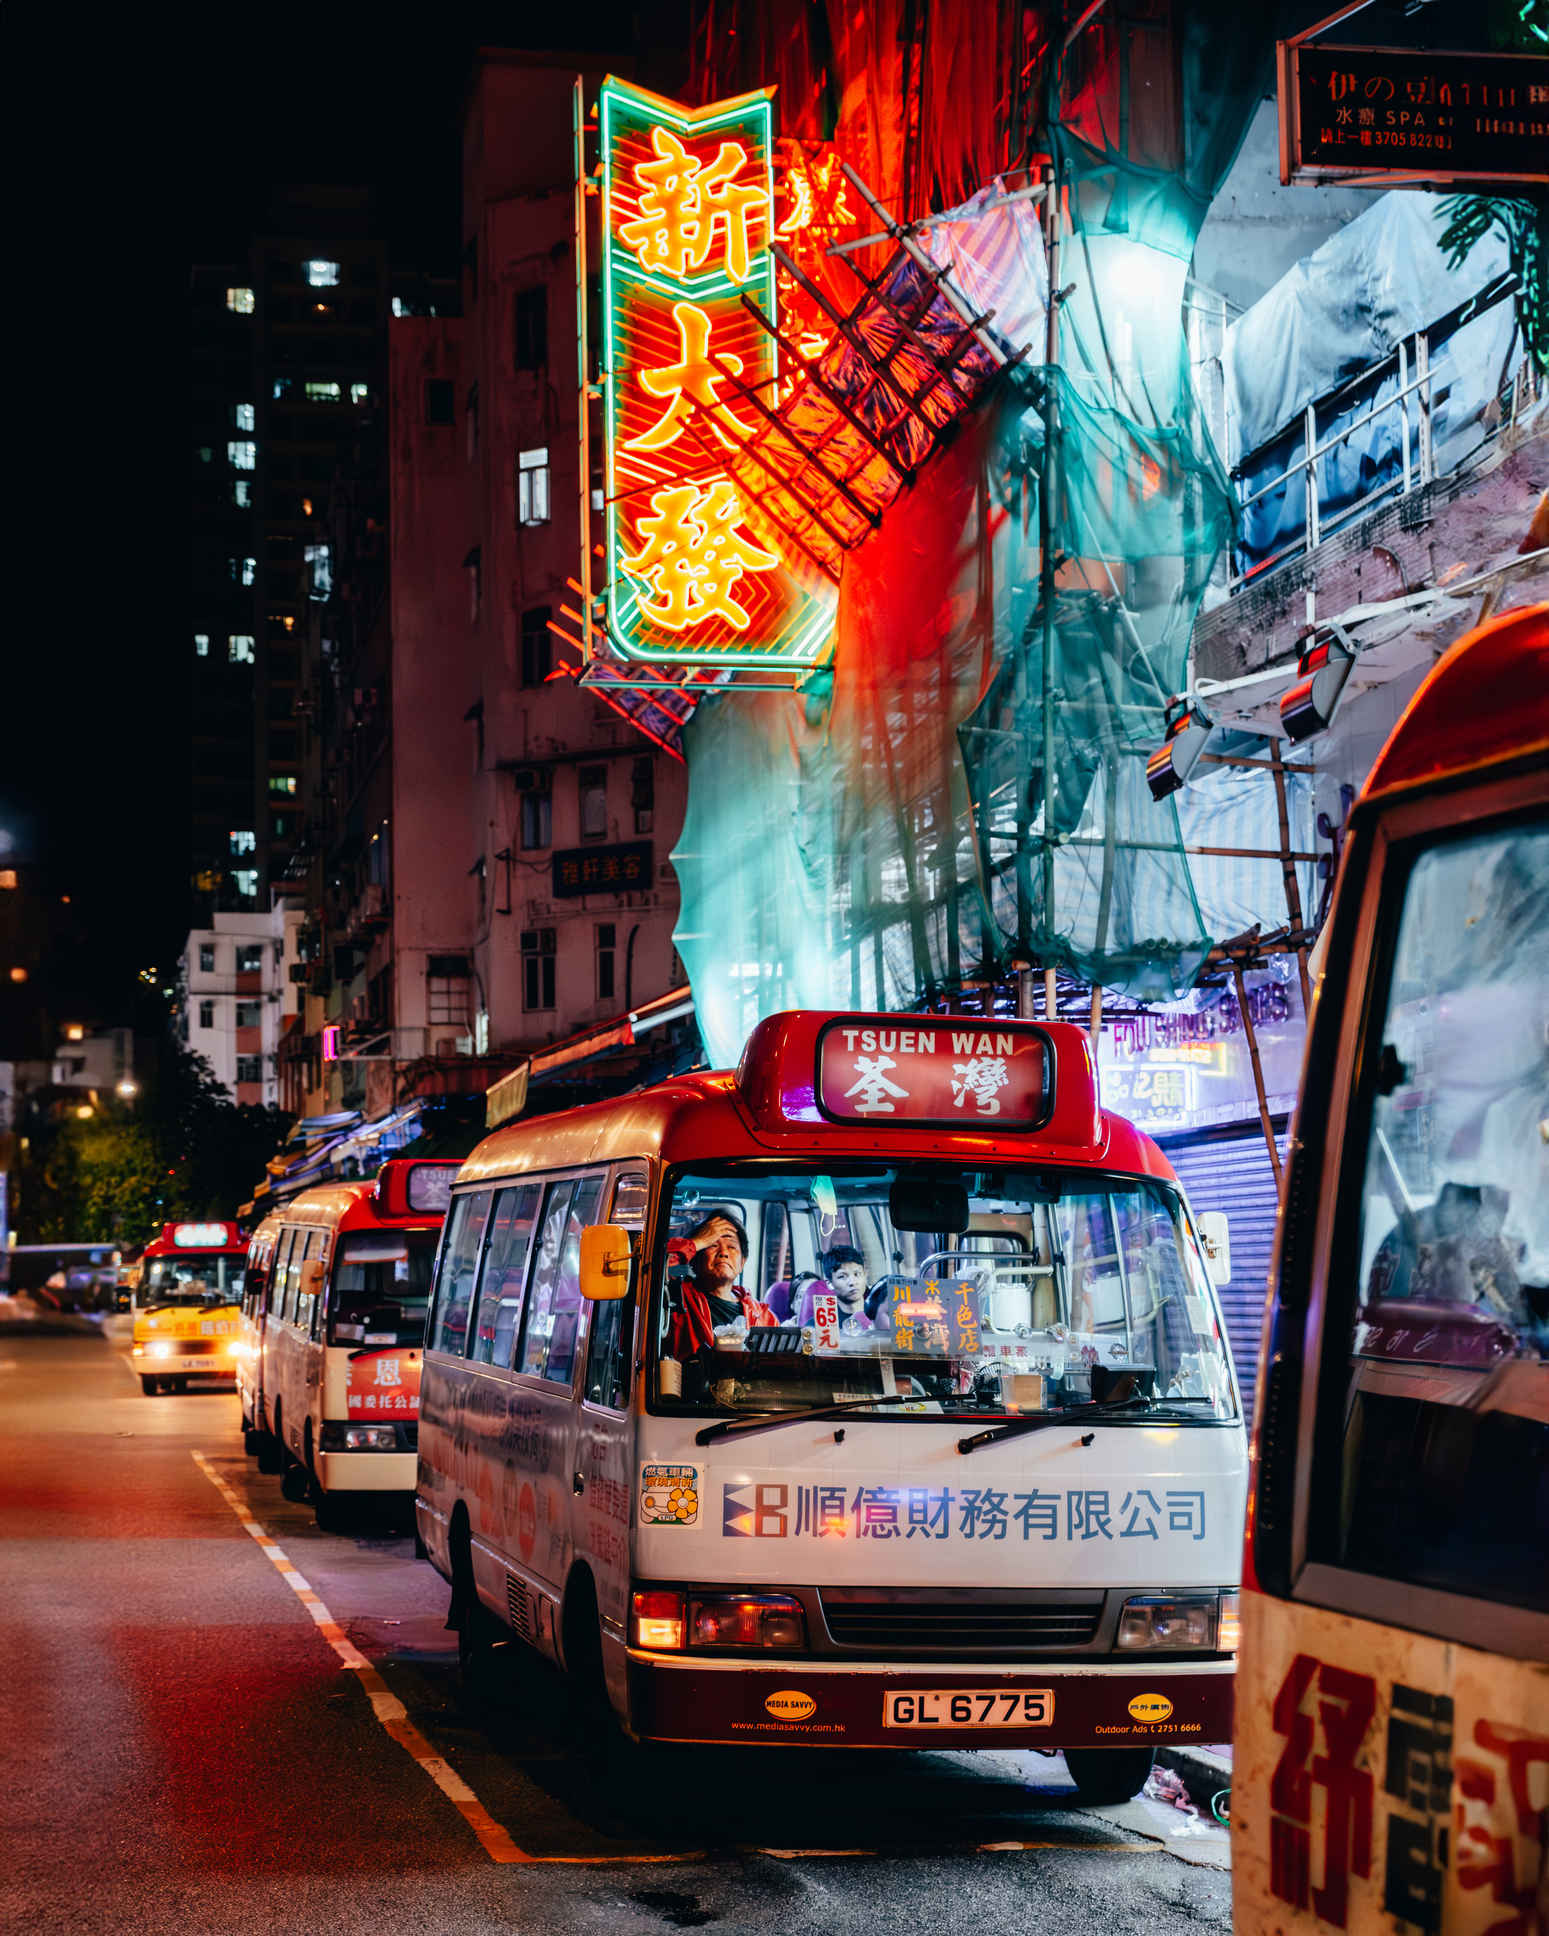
(552, 1319)
(1433, 1430)
(459, 1265)
(304, 1299)
(607, 1351)
(280, 1290)
(503, 1274)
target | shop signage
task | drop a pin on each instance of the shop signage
(623, 869)
(956, 1073)
(1426, 115)
(694, 576)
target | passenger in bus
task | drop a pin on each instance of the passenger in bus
(710, 1297)
(844, 1273)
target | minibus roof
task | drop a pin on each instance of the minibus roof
(1485, 702)
(348, 1206)
(773, 1105)
(180, 1239)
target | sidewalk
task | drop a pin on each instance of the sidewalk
(1205, 1770)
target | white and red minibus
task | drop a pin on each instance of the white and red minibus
(342, 1279)
(875, 1395)
(1392, 1741)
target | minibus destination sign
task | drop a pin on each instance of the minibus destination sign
(954, 1072)
(204, 1236)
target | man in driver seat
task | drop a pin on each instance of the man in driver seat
(711, 1296)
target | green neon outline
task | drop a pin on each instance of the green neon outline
(812, 643)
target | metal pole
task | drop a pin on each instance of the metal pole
(1051, 231)
(1293, 891)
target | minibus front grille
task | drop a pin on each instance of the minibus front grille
(891, 1623)
(197, 1347)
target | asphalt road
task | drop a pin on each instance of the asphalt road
(217, 1718)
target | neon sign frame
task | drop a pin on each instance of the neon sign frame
(710, 589)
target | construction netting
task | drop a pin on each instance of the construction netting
(968, 792)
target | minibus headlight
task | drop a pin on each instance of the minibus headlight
(337, 1437)
(656, 1620)
(1230, 1631)
(765, 1620)
(663, 1620)
(159, 1348)
(1174, 1623)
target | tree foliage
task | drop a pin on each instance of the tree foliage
(181, 1148)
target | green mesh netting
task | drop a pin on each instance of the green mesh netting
(896, 836)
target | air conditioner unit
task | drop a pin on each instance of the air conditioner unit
(526, 779)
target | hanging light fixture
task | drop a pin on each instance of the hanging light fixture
(1321, 675)
(1188, 728)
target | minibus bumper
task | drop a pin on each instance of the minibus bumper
(178, 1363)
(847, 1704)
(365, 1471)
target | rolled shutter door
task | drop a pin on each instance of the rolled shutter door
(1231, 1172)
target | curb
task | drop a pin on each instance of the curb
(1205, 1771)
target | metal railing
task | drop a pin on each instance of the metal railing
(1413, 440)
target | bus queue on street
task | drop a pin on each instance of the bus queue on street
(333, 1320)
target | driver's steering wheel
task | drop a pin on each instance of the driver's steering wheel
(876, 1293)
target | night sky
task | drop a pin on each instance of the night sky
(148, 142)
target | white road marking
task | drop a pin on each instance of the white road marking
(385, 1705)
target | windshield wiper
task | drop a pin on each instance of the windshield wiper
(725, 1428)
(1136, 1407)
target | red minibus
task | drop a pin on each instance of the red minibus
(1392, 1741)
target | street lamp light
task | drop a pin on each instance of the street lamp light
(1321, 676)
(128, 1089)
(1188, 728)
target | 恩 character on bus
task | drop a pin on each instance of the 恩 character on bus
(710, 1297)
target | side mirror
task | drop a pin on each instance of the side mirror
(606, 1253)
(314, 1275)
(1216, 1242)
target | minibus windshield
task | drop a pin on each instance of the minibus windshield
(786, 1287)
(381, 1287)
(193, 1280)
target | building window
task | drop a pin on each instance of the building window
(201, 645)
(242, 416)
(240, 301)
(250, 1014)
(642, 793)
(537, 646)
(324, 393)
(320, 558)
(360, 393)
(532, 486)
(607, 955)
(242, 455)
(537, 968)
(207, 957)
(244, 840)
(250, 958)
(593, 782)
(446, 991)
(250, 1068)
(440, 400)
(8, 879)
(531, 328)
(246, 879)
(207, 1015)
(282, 783)
(244, 570)
(239, 648)
(537, 819)
(321, 274)
(242, 493)
(473, 565)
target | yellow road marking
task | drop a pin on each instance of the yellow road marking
(385, 1704)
